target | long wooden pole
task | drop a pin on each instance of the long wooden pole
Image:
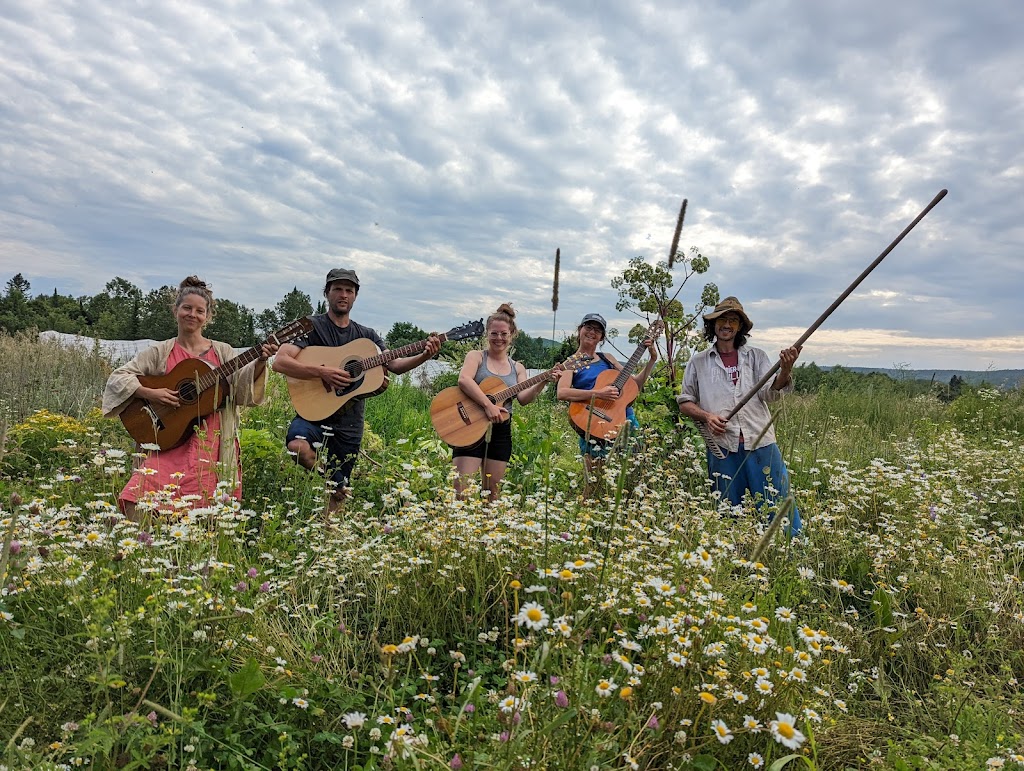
(839, 301)
(828, 311)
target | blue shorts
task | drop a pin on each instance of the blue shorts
(340, 453)
(599, 448)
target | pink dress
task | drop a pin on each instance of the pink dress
(191, 467)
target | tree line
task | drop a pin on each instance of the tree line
(122, 311)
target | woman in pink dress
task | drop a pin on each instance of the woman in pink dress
(187, 475)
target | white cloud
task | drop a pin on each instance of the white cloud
(447, 149)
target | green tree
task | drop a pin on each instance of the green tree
(646, 290)
(15, 312)
(807, 377)
(61, 313)
(234, 324)
(18, 284)
(114, 312)
(403, 333)
(533, 352)
(266, 322)
(293, 305)
(156, 314)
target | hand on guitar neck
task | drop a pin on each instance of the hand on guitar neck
(168, 397)
(323, 379)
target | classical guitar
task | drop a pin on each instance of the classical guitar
(461, 422)
(603, 418)
(364, 362)
(202, 389)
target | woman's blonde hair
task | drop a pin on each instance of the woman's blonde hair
(195, 285)
(508, 315)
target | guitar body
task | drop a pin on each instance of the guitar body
(313, 401)
(170, 427)
(458, 420)
(603, 418)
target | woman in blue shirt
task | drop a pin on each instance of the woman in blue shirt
(580, 386)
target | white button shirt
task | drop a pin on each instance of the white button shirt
(708, 384)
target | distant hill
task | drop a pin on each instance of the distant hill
(1001, 378)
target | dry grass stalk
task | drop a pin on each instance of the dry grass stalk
(554, 293)
(675, 238)
(45, 374)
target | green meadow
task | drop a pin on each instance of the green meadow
(644, 628)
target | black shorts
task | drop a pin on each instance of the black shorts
(499, 448)
(341, 453)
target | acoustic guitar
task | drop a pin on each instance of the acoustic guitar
(202, 389)
(362, 360)
(603, 418)
(461, 422)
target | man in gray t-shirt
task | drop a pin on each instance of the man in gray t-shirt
(340, 434)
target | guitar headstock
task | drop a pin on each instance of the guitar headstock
(654, 331)
(466, 331)
(575, 362)
(291, 331)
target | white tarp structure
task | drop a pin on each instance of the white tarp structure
(117, 351)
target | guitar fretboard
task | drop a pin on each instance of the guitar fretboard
(572, 363)
(227, 369)
(211, 378)
(629, 366)
(383, 358)
(503, 396)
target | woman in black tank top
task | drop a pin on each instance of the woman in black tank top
(491, 458)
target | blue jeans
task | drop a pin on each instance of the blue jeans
(753, 470)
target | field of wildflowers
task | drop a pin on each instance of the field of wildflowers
(646, 628)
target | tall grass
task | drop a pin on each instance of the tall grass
(45, 374)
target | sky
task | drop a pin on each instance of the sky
(444, 150)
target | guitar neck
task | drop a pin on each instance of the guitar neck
(227, 369)
(503, 396)
(629, 366)
(398, 353)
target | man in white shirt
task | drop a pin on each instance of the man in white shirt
(715, 380)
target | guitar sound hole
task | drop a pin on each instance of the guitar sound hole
(187, 392)
(353, 369)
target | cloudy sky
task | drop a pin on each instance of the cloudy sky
(446, 149)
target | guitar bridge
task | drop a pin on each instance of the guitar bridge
(463, 414)
(600, 415)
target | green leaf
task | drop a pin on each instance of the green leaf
(247, 680)
(781, 762)
(557, 723)
(703, 763)
(883, 607)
